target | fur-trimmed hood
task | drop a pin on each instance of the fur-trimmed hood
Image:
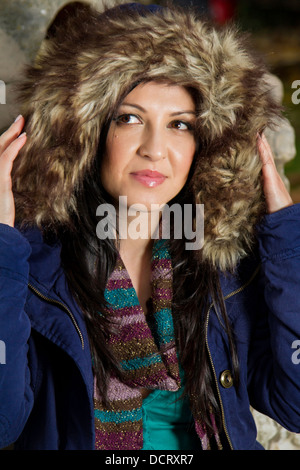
(92, 60)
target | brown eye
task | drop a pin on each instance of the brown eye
(181, 125)
(127, 119)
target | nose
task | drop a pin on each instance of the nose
(153, 143)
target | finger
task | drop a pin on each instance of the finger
(265, 151)
(11, 133)
(269, 169)
(275, 191)
(9, 155)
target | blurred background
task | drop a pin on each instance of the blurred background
(275, 29)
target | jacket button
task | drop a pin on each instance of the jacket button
(226, 379)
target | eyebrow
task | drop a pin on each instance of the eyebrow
(176, 113)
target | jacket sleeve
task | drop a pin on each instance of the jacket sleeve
(274, 362)
(16, 397)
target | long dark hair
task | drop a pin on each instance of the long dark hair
(88, 262)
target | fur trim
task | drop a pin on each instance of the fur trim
(91, 61)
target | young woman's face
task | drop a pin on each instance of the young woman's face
(150, 145)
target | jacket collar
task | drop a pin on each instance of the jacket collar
(66, 325)
(44, 261)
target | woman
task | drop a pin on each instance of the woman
(118, 342)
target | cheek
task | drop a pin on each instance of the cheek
(110, 158)
(119, 148)
(107, 170)
(185, 159)
(114, 164)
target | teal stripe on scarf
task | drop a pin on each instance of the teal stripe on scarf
(122, 297)
(160, 250)
(162, 326)
(118, 416)
(138, 362)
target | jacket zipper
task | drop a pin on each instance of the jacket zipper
(60, 304)
(231, 294)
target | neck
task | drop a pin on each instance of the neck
(137, 229)
(136, 248)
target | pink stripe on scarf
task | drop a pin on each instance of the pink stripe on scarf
(117, 391)
(128, 320)
(119, 274)
(119, 441)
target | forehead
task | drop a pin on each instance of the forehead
(163, 95)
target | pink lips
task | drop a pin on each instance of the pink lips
(149, 178)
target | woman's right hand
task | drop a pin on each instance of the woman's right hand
(11, 142)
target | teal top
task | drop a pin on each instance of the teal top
(168, 423)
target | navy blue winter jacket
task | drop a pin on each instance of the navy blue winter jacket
(46, 380)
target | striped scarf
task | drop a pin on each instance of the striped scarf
(146, 352)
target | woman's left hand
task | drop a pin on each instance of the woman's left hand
(276, 194)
